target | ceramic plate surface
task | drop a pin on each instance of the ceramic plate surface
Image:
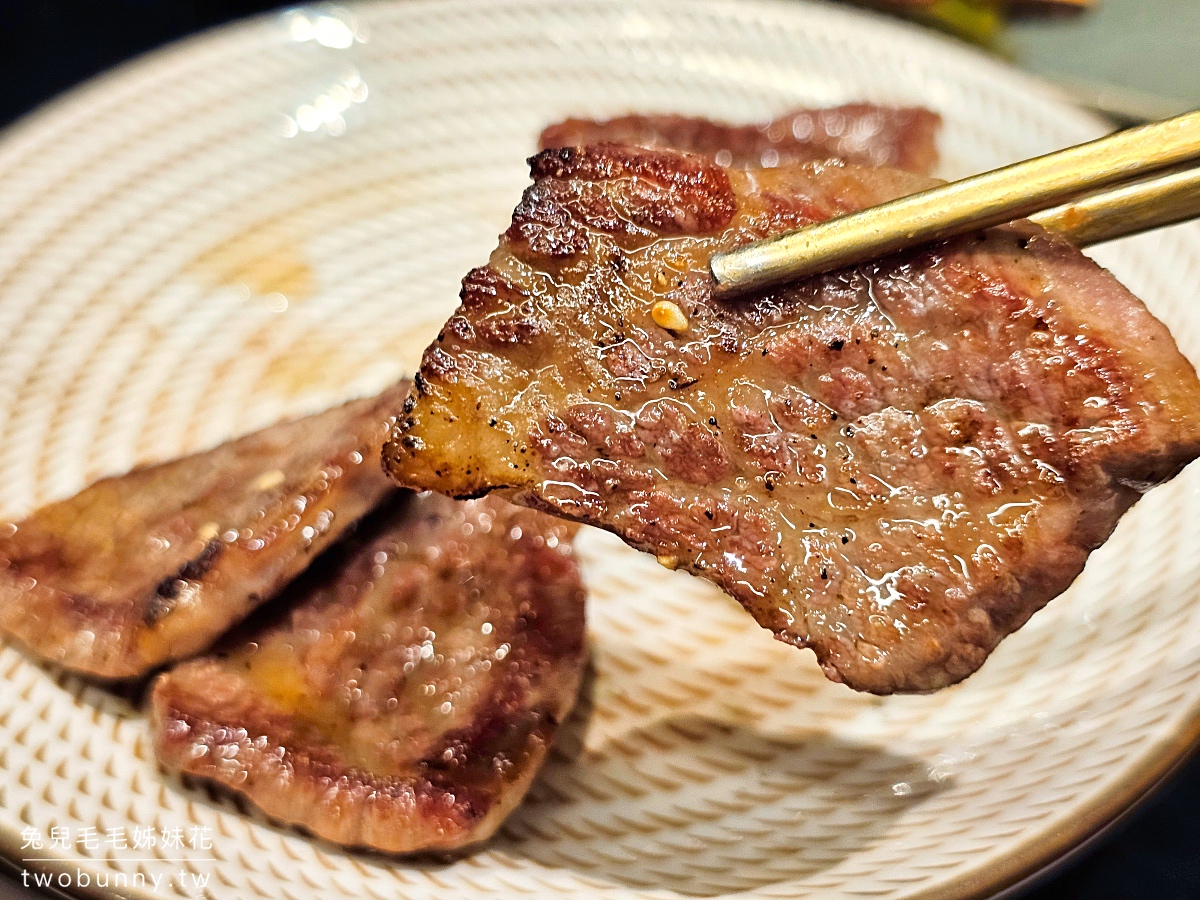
(273, 217)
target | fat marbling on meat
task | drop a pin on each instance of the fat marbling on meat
(895, 464)
(147, 567)
(861, 133)
(405, 693)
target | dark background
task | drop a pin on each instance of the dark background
(46, 46)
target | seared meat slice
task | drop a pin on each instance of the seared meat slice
(862, 133)
(151, 566)
(408, 695)
(894, 464)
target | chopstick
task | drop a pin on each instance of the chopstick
(1127, 210)
(979, 202)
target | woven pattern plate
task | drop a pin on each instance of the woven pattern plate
(275, 216)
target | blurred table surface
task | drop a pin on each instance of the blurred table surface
(1142, 56)
(1132, 54)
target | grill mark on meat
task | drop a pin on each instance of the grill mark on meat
(688, 451)
(618, 191)
(169, 588)
(860, 133)
(406, 693)
(895, 464)
(151, 566)
(762, 440)
(605, 428)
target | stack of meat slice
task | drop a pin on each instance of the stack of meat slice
(404, 691)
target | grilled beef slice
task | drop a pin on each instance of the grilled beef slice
(151, 566)
(861, 133)
(895, 464)
(407, 692)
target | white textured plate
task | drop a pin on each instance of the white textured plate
(275, 216)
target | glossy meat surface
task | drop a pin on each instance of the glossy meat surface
(151, 566)
(861, 133)
(894, 464)
(408, 694)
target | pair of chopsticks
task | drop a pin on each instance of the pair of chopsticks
(1120, 185)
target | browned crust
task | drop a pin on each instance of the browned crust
(1028, 378)
(666, 195)
(56, 600)
(861, 133)
(253, 749)
(214, 718)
